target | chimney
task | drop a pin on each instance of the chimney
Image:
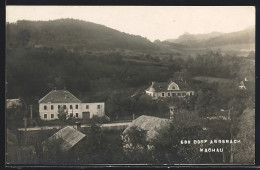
(55, 88)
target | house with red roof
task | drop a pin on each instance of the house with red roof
(167, 89)
(55, 100)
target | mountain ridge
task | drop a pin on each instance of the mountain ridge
(216, 38)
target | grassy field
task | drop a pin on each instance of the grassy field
(212, 79)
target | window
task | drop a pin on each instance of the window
(173, 94)
(52, 107)
(162, 94)
(77, 114)
(45, 107)
(98, 106)
(45, 116)
(169, 94)
(58, 106)
(71, 107)
(179, 94)
(183, 94)
(52, 116)
(71, 114)
(77, 106)
(64, 106)
(191, 93)
(87, 106)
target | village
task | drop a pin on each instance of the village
(69, 120)
(61, 104)
(121, 85)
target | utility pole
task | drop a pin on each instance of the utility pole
(25, 130)
(25, 124)
(31, 115)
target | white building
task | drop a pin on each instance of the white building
(165, 89)
(51, 103)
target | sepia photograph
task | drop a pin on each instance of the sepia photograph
(130, 85)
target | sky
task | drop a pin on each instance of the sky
(152, 22)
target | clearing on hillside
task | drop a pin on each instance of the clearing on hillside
(212, 79)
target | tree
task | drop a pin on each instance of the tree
(167, 146)
(118, 105)
(14, 117)
(205, 103)
(62, 115)
(136, 146)
(244, 152)
(50, 152)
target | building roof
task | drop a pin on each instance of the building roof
(59, 96)
(69, 137)
(163, 86)
(160, 86)
(150, 124)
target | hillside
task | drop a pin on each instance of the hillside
(72, 34)
(216, 38)
(191, 39)
(239, 43)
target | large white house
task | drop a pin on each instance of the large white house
(165, 89)
(55, 99)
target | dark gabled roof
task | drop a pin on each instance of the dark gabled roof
(163, 86)
(59, 96)
(158, 86)
(69, 137)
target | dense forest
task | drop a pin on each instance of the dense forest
(71, 34)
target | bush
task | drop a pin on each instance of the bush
(99, 120)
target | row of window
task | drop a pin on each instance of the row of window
(45, 116)
(45, 107)
(176, 94)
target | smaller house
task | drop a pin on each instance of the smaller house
(242, 85)
(248, 85)
(69, 138)
(165, 89)
(13, 103)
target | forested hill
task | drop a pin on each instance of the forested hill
(245, 36)
(72, 34)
